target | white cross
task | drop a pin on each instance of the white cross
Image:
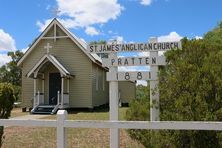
(47, 47)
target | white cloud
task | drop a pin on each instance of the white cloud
(7, 43)
(127, 68)
(198, 37)
(120, 40)
(24, 49)
(141, 82)
(145, 2)
(42, 26)
(91, 12)
(91, 31)
(4, 58)
(84, 14)
(172, 36)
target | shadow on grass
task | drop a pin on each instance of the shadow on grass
(88, 110)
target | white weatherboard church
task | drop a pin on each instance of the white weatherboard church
(58, 72)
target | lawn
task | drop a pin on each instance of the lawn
(18, 112)
(82, 137)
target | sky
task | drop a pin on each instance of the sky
(21, 21)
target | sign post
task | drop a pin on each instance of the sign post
(114, 105)
(154, 91)
(113, 76)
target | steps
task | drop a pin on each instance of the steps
(44, 109)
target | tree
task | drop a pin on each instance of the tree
(11, 73)
(6, 104)
(214, 36)
(190, 90)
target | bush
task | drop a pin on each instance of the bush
(6, 103)
(139, 111)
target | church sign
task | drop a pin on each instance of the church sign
(132, 76)
(133, 47)
(134, 61)
(113, 76)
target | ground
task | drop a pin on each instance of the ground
(77, 138)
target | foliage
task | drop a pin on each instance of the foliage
(214, 36)
(139, 111)
(6, 103)
(11, 73)
(190, 90)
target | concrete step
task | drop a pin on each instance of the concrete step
(44, 109)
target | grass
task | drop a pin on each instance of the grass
(99, 114)
(17, 112)
(77, 137)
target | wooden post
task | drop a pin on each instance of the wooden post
(113, 105)
(68, 85)
(61, 132)
(154, 92)
(34, 97)
(58, 100)
(62, 92)
(38, 101)
(43, 84)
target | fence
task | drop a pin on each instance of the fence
(61, 123)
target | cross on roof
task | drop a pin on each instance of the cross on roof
(55, 12)
(47, 47)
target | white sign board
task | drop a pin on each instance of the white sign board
(134, 61)
(133, 47)
(131, 76)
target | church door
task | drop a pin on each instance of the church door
(54, 87)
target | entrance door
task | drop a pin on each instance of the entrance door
(54, 87)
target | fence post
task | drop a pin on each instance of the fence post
(61, 132)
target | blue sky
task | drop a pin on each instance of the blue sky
(125, 20)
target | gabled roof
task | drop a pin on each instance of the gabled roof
(51, 59)
(81, 44)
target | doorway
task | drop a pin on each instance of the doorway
(54, 87)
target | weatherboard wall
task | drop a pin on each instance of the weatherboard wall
(73, 59)
(101, 92)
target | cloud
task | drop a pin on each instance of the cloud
(7, 43)
(91, 31)
(4, 58)
(42, 26)
(24, 49)
(145, 2)
(84, 14)
(117, 39)
(141, 82)
(172, 36)
(198, 37)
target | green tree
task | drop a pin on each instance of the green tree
(139, 111)
(6, 104)
(11, 73)
(214, 36)
(190, 90)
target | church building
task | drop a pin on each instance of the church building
(58, 72)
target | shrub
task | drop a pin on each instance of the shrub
(139, 111)
(6, 104)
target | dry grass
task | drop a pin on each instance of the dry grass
(18, 112)
(29, 137)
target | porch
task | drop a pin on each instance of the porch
(50, 86)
